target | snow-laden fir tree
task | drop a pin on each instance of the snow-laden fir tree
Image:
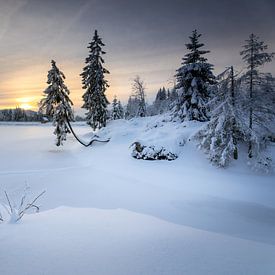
(57, 104)
(117, 109)
(172, 98)
(219, 137)
(120, 109)
(161, 94)
(93, 80)
(193, 80)
(139, 95)
(258, 99)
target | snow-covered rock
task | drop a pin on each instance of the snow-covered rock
(152, 152)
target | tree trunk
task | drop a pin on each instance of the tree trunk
(250, 108)
(79, 140)
(235, 153)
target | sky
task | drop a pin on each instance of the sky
(145, 37)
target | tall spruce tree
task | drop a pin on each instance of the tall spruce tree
(57, 104)
(193, 80)
(254, 55)
(93, 80)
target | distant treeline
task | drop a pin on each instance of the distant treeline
(19, 114)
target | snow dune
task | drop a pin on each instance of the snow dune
(107, 213)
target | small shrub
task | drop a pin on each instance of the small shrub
(17, 211)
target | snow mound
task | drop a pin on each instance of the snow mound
(156, 133)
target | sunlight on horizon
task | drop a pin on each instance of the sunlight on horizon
(26, 106)
(27, 103)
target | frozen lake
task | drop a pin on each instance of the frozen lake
(107, 213)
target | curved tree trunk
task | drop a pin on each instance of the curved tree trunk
(79, 140)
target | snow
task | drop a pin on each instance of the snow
(105, 212)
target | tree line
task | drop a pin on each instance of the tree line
(19, 114)
(238, 107)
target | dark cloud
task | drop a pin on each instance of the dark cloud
(144, 37)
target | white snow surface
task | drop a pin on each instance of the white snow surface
(105, 212)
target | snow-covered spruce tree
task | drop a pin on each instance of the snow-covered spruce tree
(258, 99)
(220, 135)
(193, 80)
(120, 109)
(172, 98)
(57, 103)
(139, 94)
(93, 80)
(117, 109)
(128, 108)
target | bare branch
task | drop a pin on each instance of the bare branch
(28, 206)
(7, 197)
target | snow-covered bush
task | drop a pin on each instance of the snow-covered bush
(151, 152)
(16, 211)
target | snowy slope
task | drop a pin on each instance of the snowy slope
(107, 213)
(93, 241)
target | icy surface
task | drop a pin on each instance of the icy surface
(105, 212)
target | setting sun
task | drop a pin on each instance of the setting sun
(25, 106)
(26, 103)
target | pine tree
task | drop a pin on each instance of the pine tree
(193, 80)
(117, 109)
(129, 108)
(93, 80)
(132, 107)
(160, 104)
(57, 104)
(220, 135)
(254, 56)
(120, 109)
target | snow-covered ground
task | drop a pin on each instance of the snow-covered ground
(105, 212)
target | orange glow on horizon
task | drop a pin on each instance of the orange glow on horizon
(27, 103)
(25, 106)
(24, 88)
